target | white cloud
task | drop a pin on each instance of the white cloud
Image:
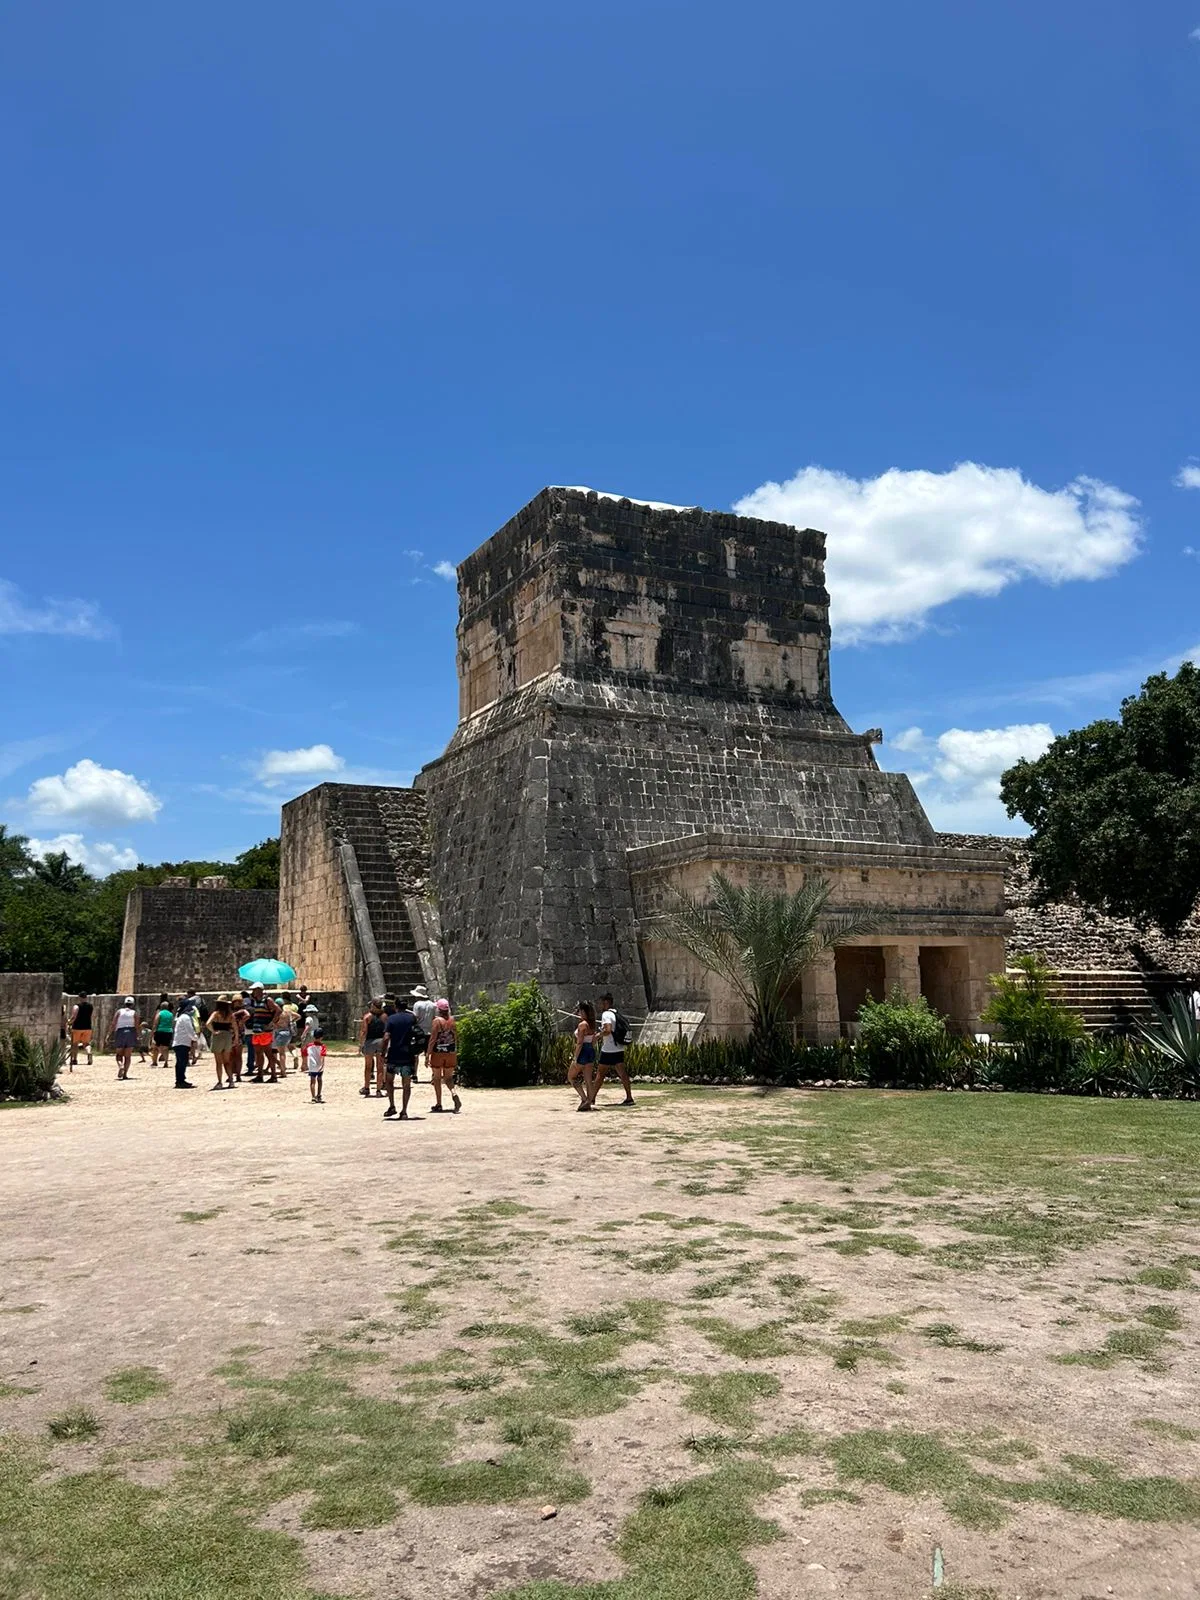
(959, 783)
(1188, 477)
(447, 570)
(76, 619)
(98, 857)
(906, 542)
(87, 792)
(277, 765)
(1195, 34)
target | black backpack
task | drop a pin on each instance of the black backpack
(622, 1032)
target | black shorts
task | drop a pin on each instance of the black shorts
(615, 1058)
(163, 1038)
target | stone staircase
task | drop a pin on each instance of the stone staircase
(379, 826)
(1111, 1001)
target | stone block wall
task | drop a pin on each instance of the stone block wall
(181, 938)
(32, 1001)
(631, 674)
(316, 924)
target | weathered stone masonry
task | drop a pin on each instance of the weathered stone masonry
(631, 676)
(177, 938)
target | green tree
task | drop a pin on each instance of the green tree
(15, 859)
(1115, 807)
(760, 940)
(58, 871)
(257, 868)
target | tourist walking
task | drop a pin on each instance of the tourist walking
(183, 1039)
(162, 1032)
(292, 1012)
(399, 1060)
(442, 1055)
(423, 1010)
(579, 1073)
(263, 1012)
(81, 1029)
(124, 1034)
(222, 1034)
(314, 1061)
(371, 1040)
(281, 1039)
(614, 1035)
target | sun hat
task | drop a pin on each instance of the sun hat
(224, 999)
(313, 1009)
(129, 1001)
(419, 992)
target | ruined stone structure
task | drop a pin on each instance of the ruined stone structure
(1108, 969)
(644, 696)
(177, 937)
(354, 912)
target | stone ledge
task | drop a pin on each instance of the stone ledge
(718, 846)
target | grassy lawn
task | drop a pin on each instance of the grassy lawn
(808, 1311)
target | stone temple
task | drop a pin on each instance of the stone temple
(644, 696)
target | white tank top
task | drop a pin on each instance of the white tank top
(125, 1018)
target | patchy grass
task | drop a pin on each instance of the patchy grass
(1123, 1344)
(1164, 1277)
(76, 1423)
(748, 1344)
(684, 1542)
(201, 1216)
(729, 1398)
(96, 1534)
(129, 1386)
(1169, 1430)
(949, 1337)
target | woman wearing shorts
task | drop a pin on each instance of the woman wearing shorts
(281, 1039)
(442, 1052)
(222, 1031)
(372, 1040)
(125, 1024)
(579, 1073)
(164, 1033)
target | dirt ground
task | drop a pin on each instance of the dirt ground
(202, 1233)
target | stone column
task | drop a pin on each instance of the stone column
(902, 965)
(984, 957)
(819, 1018)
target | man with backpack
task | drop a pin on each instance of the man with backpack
(615, 1034)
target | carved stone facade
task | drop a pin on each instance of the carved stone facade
(644, 695)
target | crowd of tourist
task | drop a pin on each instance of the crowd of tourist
(256, 1037)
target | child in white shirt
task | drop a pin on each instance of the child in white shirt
(314, 1061)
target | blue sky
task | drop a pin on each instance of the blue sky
(301, 302)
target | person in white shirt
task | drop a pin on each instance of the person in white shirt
(314, 1063)
(612, 1052)
(124, 1034)
(182, 1041)
(424, 1010)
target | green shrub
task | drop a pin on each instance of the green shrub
(504, 1045)
(902, 1039)
(1175, 1037)
(1023, 1008)
(28, 1067)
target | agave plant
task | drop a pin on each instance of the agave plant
(1145, 1076)
(1176, 1037)
(28, 1067)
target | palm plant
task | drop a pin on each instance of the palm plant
(1175, 1035)
(760, 940)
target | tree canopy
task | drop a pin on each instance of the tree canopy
(1115, 807)
(55, 916)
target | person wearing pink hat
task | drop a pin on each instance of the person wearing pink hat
(442, 1055)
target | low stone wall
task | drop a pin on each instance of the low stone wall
(333, 1008)
(33, 1001)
